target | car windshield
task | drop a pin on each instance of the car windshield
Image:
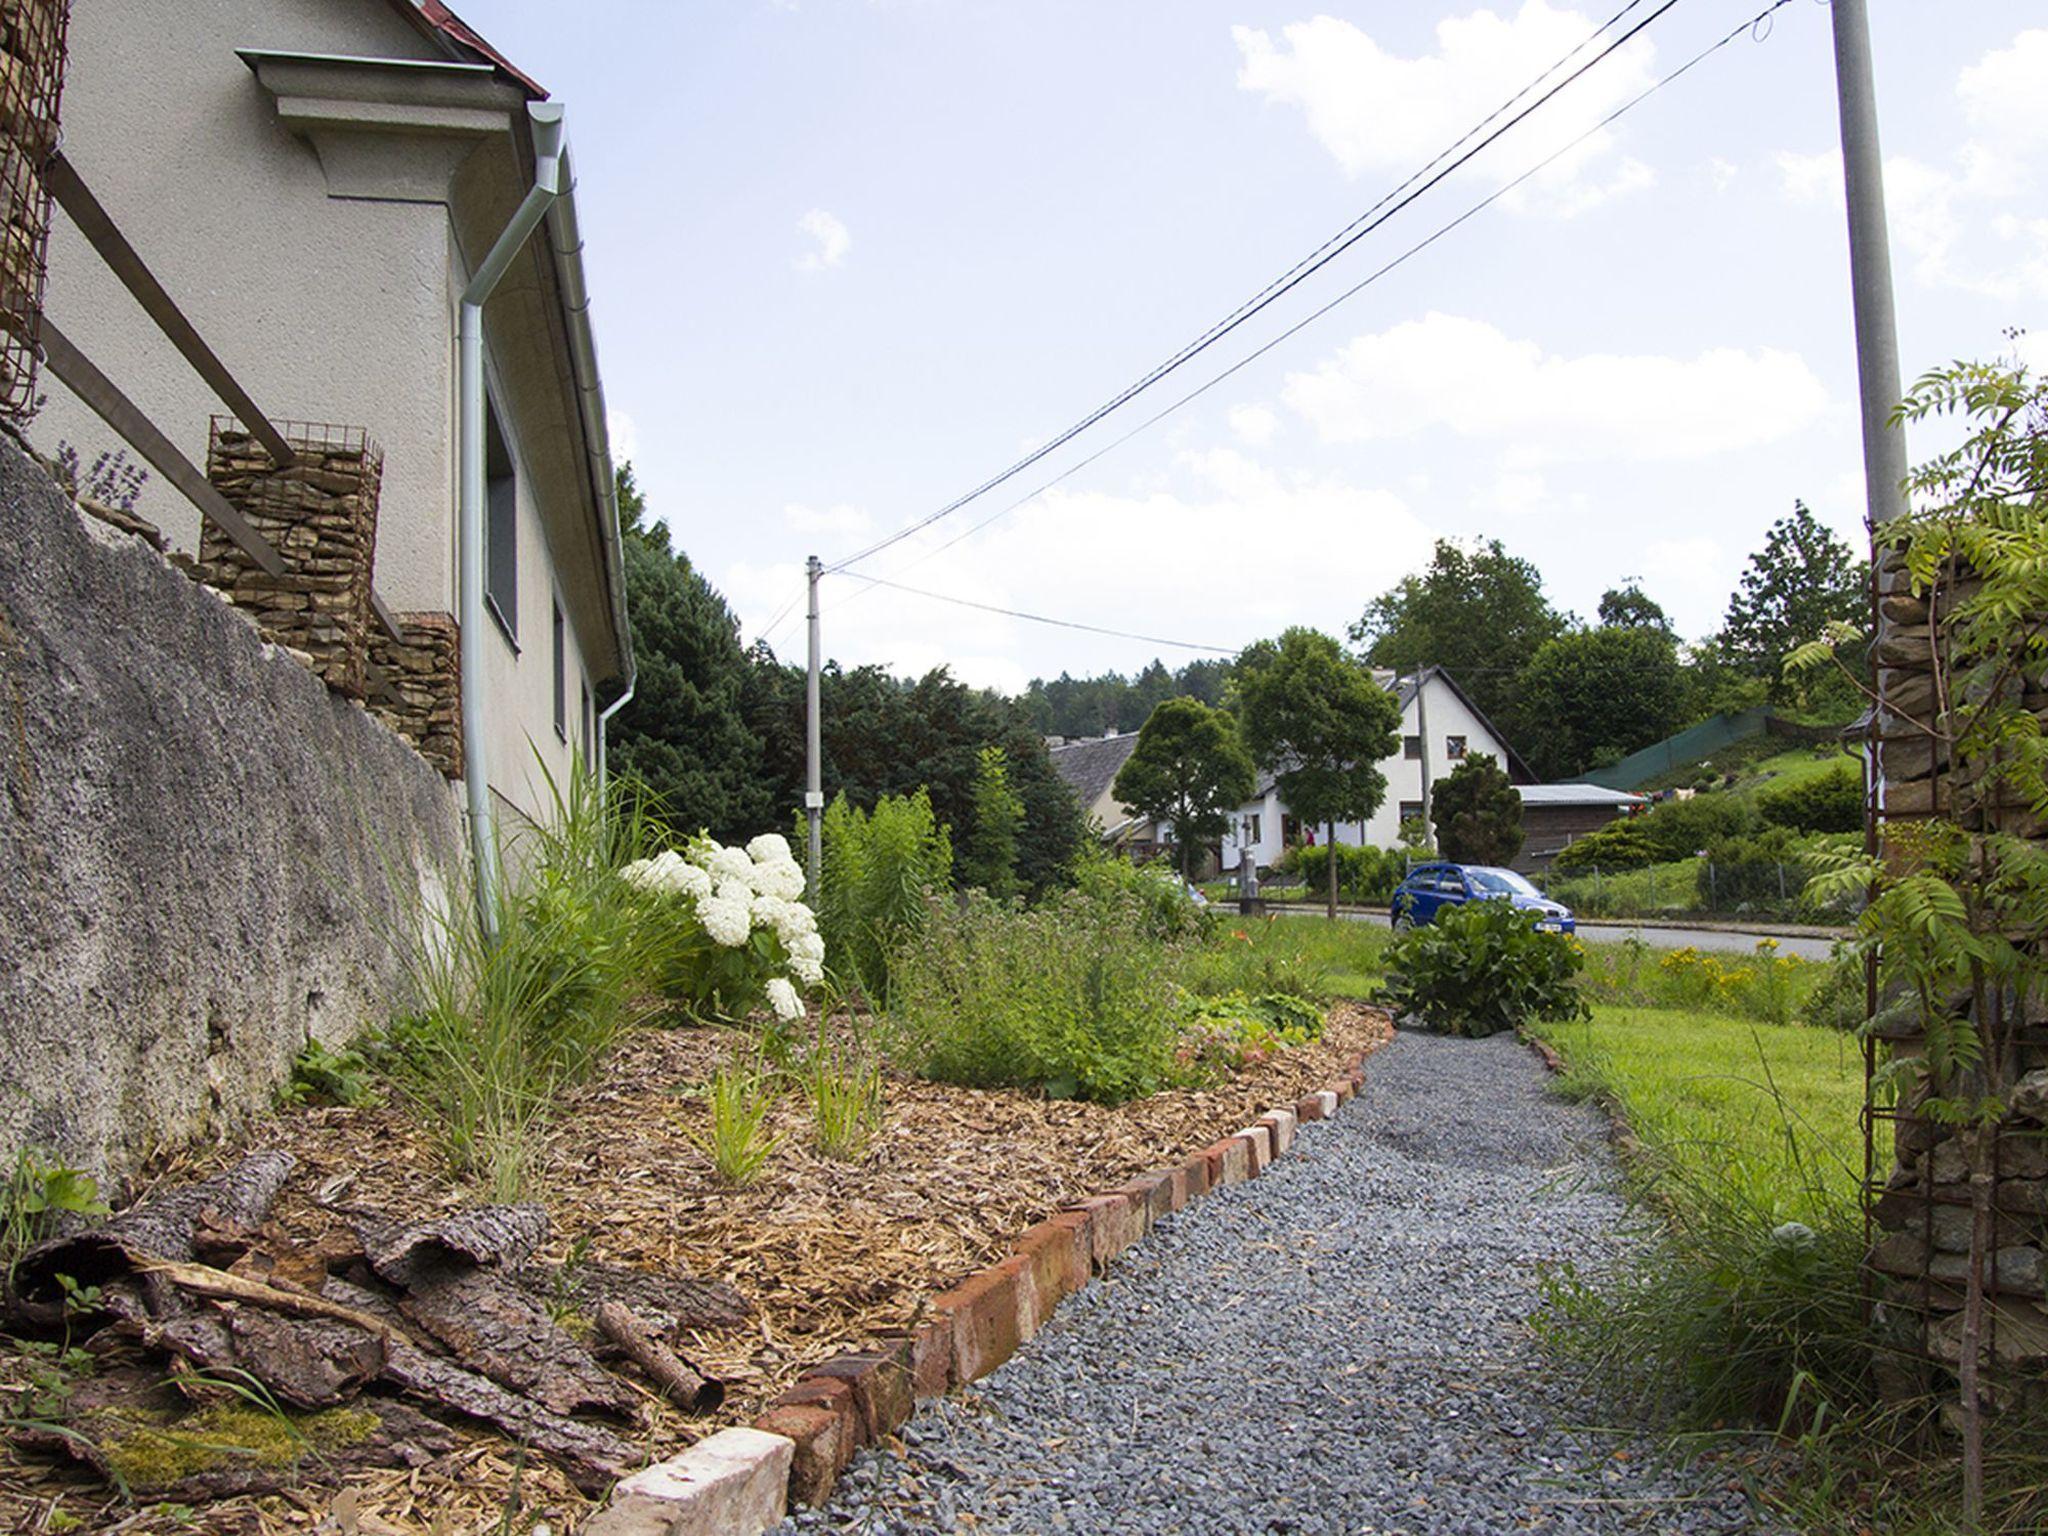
(1500, 882)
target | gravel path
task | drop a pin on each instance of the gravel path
(1338, 1348)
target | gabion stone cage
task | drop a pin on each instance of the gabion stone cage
(31, 83)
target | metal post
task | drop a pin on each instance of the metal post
(1870, 267)
(814, 768)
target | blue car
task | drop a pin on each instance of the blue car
(1430, 888)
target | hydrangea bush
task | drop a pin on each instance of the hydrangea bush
(745, 938)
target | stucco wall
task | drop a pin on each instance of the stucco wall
(205, 856)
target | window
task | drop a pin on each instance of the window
(1251, 828)
(561, 670)
(1454, 747)
(501, 527)
(1411, 810)
(1411, 748)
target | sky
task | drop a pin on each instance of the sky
(850, 258)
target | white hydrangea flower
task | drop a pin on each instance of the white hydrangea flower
(691, 881)
(782, 877)
(639, 874)
(730, 864)
(728, 922)
(737, 892)
(808, 946)
(769, 848)
(782, 997)
(808, 971)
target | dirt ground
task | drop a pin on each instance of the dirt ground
(828, 1253)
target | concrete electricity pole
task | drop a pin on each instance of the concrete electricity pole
(814, 766)
(1870, 267)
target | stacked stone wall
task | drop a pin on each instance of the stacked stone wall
(31, 83)
(320, 514)
(415, 686)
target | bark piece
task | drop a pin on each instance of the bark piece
(592, 1457)
(681, 1381)
(509, 1337)
(163, 1228)
(502, 1236)
(307, 1362)
(667, 1304)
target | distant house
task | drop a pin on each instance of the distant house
(1431, 700)
(1553, 815)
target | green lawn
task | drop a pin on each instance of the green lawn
(1773, 1107)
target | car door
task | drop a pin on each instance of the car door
(1429, 892)
(1451, 889)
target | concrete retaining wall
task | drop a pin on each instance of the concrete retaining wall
(205, 855)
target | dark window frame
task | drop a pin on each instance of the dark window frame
(1411, 748)
(558, 630)
(501, 525)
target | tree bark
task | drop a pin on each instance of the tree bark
(685, 1386)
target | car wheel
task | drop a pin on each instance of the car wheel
(1403, 922)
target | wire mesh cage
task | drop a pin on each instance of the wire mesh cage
(31, 84)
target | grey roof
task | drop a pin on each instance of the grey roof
(1577, 794)
(1089, 767)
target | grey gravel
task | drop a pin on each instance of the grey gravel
(1340, 1346)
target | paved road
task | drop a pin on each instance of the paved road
(1341, 1347)
(1727, 940)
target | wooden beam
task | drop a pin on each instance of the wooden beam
(98, 227)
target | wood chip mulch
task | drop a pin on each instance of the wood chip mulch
(829, 1253)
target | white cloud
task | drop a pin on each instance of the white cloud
(832, 239)
(1194, 561)
(1722, 173)
(624, 433)
(2005, 93)
(1515, 493)
(1254, 425)
(837, 518)
(1376, 111)
(1468, 377)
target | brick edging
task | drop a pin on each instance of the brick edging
(857, 1398)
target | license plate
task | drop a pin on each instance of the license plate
(1549, 925)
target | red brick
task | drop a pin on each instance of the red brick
(991, 1314)
(1060, 1252)
(1344, 1088)
(1114, 1223)
(1197, 1176)
(1153, 1194)
(1177, 1187)
(1280, 1125)
(1308, 1107)
(824, 1444)
(883, 1398)
(931, 1356)
(1258, 1145)
(1233, 1156)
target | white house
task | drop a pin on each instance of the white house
(1440, 728)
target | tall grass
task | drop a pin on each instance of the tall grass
(740, 1096)
(499, 1029)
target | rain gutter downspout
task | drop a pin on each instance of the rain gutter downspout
(567, 239)
(546, 119)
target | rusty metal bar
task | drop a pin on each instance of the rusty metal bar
(386, 617)
(84, 380)
(98, 227)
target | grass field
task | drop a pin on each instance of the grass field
(1772, 1108)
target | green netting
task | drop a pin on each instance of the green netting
(1688, 746)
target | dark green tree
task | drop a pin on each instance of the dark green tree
(1316, 718)
(1188, 770)
(989, 857)
(1480, 614)
(686, 733)
(1478, 813)
(1593, 696)
(1630, 607)
(1802, 581)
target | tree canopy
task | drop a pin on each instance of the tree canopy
(1316, 718)
(1188, 770)
(1091, 706)
(1478, 813)
(1593, 696)
(1801, 582)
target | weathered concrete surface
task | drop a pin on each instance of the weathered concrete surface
(205, 856)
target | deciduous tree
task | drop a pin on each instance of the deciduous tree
(1803, 581)
(1188, 770)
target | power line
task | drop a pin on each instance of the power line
(1039, 618)
(1350, 293)
(1401, 197)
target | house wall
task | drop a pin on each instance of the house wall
(1448, 717)
(207, 857)
(329, 308)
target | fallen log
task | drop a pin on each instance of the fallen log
(511, 1338)
(485, 1236)
(683, 1384)
(668, 1304)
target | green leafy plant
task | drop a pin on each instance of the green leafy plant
(1821, 802)
(1365, 875)
(880, 872)
(41, 1193)
(842, 1082)
(1168, 911)
(1481, 968)
(321, 1076)
(740, 1096)
(988, 861)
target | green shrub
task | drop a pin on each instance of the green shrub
(1232, 1030)
(1670, 830)
(1480, 968)
(1169, 912)
(321, 1076)
(1365, 875)
(1620, 845)
(1763, 872)
(1070, 998)
(1825, 802)
(879, 872)
(1842, 1000)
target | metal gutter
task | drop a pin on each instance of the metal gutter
(566, 238)
(540, 197)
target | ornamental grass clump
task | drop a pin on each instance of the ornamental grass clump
(737, 1140)
(736, 936)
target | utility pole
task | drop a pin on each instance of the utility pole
(1870, 267)
(814, 765)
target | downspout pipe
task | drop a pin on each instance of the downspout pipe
(546, 120)
(566, 238)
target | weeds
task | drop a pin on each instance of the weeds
(843, 1085)
(321, 1076)
(740, 1096)
(38, 1198)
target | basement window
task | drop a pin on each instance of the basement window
(501, 527)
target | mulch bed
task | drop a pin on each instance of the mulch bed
(829, 1254)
